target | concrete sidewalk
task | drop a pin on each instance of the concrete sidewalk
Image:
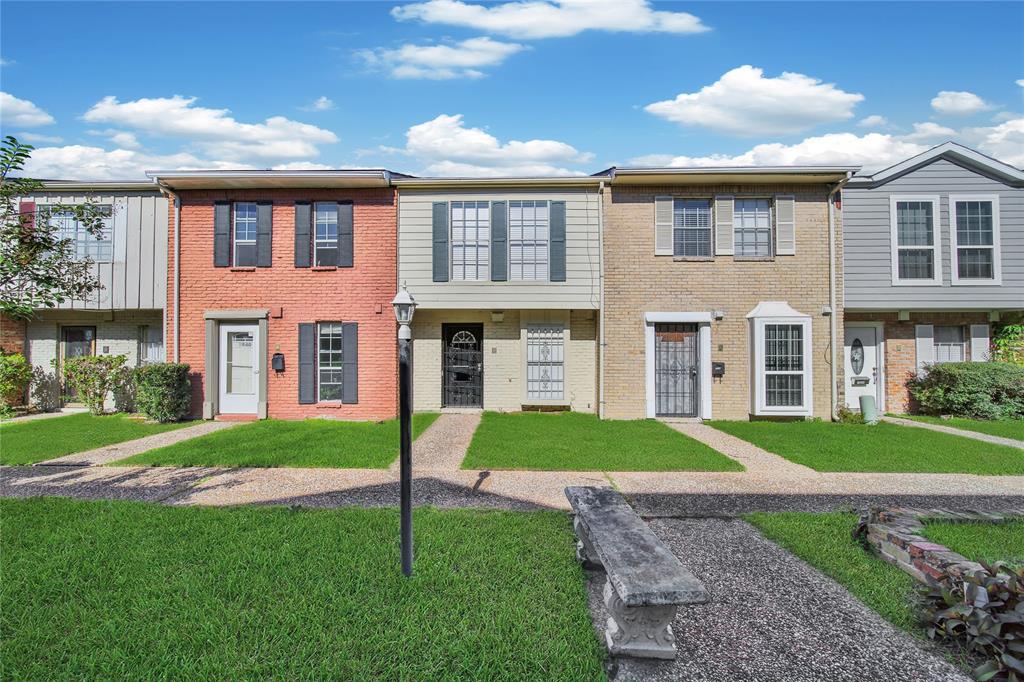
(123, 450)
(975, 435)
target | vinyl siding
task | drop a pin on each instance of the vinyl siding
(136, 276)
(581, 290)
(867, 245)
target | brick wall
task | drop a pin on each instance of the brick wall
(359, 294)
(637, 281)
(12, 335)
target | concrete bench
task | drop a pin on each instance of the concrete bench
(646, 583)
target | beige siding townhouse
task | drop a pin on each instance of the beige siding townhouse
(506, 276)
(722, 292)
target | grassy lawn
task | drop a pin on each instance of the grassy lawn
(275, 443)
(571, 441)
(823, 541)
(37, 440)
(980, 541)
(1007, 428)
(109, 590)
(825, 446)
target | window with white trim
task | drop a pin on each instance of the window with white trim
(151, 344)
(974, 239)
(752, 227)
(950, 343)
(330, 371)
(784, 365)
(691, 228)
(471, 245)
(545, 362)
(781, 368)
(528, 240)
(99, 249)
(244, 234)
(325, 233)
(915, 240)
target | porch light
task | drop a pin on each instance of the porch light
(405, 306)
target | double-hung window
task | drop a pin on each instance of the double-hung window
(98, 248)
(545, 362)
(244, 234)
(691, 228)
(528, 240)
(752, 227)
(974, 238)
(950, 343)
(325, 238)
(329, 361)
(915, 240)
(151, 344)
(471, 230)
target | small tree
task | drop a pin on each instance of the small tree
(93, 377)
(39, 267)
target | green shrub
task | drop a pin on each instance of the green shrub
(163, 391)
(15, 375)
(1008, 344)
(976, 390)
(93, 377)
(984, 615)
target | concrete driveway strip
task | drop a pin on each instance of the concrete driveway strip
(976, 435)
(442, 447)
(772, 618)
(755, 459)
(116, 451)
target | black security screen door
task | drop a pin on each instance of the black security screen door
(463, 365)
(675, 370)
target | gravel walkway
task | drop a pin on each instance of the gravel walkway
(46, 415)
(771, 618)
(755, 459)
(116, 451)
(988, 438)
(443, 445)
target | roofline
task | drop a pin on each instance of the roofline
(55, 185)
(972, 157)
(557, 181)
(235, 178)
(729, 170)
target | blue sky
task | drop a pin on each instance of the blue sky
(544, 87)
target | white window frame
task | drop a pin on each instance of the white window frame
(779, 313)
(484, 266)
(936, 247)
(954, 247)
(340, 369)
(557, 333)
(509, 240)
(146, 343)
(771, 228)
(710, 229)
(324, 243)
(235, 241)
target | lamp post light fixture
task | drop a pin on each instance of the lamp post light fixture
(405, 307)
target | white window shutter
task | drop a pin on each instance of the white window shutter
(979, 343)
(925, 335)
(723, 226)
(662, 226)
(785, 226)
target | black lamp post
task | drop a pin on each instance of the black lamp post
(405, 306)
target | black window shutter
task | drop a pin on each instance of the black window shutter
(221, 234)
(441, 241)
(345, 225)
(499, 241)
(307, 363)
(557, 241)
(303, 242)
(349, 362)
(264, 232)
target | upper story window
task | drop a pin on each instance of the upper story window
(974, 239)
(85, 245)
(528, 240)
(691, 228)
(752, 227)
(915, 242)
(325, 240)
(471, 229)
(245, 234)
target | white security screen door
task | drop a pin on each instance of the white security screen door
(862, 373)
(240, 361)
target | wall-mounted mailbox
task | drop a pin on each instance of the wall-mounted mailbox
(718, 369)
(277, 362)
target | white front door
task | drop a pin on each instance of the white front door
(862, 371)
(239, 368)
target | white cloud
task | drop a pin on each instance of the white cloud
(34, 138)
(441, 62)
(1007, 116)
(322, 103)
(445, 146)
(930, 133)
(21, 112)
(218, 135)
(744, 102)
(80, 162)
(6, 62)
(873, 121)
(956, 103)
(532, 19)
(1004, 141)
(302, 165)
(1020, 82)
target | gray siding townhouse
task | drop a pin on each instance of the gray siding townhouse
(506, 275)
(125, 316)
(933, 253)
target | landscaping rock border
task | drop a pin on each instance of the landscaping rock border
(894, 534)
